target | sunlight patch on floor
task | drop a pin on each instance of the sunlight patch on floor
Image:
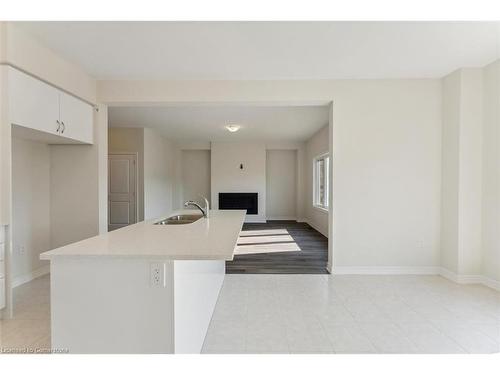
(266, 248)
(263, 232)
(265, 241)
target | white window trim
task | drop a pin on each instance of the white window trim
(315, 183)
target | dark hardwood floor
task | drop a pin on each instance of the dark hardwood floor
(280, 247)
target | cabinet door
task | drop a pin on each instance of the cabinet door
(77, 118)
(32, 103)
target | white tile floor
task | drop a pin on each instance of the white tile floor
(316, 314)
(29, 330)
(353, 314)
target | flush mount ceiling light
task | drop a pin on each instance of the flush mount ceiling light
(233, 128)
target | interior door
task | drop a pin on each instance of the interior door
(122, 187)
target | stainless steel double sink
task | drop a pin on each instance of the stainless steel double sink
(179, 219)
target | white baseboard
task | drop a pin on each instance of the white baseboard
(491, 283)
(460, 279)
(469, 279)
(282, 218)
(431, 270)
(329, 267)
(314, 226)
(27, 277)
(385, 271)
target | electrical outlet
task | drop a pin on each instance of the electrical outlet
(22, 249)
(156, 274)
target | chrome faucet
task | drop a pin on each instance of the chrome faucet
(205, 211)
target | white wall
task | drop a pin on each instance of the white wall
(30, 206)
(281, 184)
(74, 210)
(53, 188)
(387, 174)
(470, 173)
(462, 172)
(300, 183)
(316, 145)
(450, 162)
(195, 175)
(178, 188)
(159, 175)
(491, 172)
(227, 177)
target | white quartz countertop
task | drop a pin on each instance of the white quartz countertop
(205, 239)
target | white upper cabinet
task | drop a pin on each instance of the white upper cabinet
(36, 105)
(32, 103)
(76, 118)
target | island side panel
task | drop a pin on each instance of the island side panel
(197, 284)
(103, 305)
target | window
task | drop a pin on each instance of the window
(321, 181)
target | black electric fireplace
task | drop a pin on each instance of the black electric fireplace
(239, 201)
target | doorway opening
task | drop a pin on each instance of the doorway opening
(268, 152)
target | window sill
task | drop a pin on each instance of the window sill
(322, 209)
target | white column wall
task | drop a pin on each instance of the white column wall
(491, 173)
(470, 173)
(101, 139)
(159, 175)
(470, 203)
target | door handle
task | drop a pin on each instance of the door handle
(64, 127)
(58, 126)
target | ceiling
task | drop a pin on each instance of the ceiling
(270, 50)
(207, 123)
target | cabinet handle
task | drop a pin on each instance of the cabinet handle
(58, 126)
(64, 127)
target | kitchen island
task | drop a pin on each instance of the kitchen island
(144, 288)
